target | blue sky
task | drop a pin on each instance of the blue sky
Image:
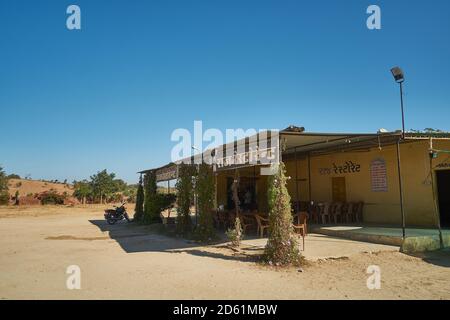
(110, 95)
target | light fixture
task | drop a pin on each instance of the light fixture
(398, 74)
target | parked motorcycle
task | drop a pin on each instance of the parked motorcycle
(116, 214)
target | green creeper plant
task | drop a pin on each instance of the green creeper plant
(151, 200)
(282, 246)
(184, 187)
(139, 208)
(205, 190)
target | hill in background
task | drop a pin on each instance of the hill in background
(31, 187)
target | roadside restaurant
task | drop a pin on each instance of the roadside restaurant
(381, 178)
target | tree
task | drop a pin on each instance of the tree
(13, 176)
(151, 200)
(139, 209)
(4, 195)
(205, 190)
(103, 184)
(282, 245)
(83, 190)
(16, 198)
(184, 198)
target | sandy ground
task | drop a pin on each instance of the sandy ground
(132, 262)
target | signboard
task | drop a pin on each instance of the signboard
(341, 168)
(167, 173)
(378, 175)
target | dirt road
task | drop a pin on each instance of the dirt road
(129, 262)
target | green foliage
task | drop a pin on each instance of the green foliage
(4, 195)
(282, 246)
(166, 200)
(16, 198)
(13, 176)
(205, 190)
(152, 205)
(103, 185)
(83, 190)
(51, 197)
(235, 234)
(184, 198)
(130, 192)
(139, 209)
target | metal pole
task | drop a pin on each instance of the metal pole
(196, 198)
(309, 177)
(400, 183)
(438, 220)
(403, 114)
(296, 183)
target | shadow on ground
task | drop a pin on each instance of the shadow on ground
(439, 257)
(136, 238)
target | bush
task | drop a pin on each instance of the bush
(51, 197)
(167, 200)
(4, 198)
(235, 234)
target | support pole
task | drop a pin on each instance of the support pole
(296, 183)
(400, 183)
(435, 206)
(309, 178)
(403, 114)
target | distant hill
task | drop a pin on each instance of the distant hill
(31, 187)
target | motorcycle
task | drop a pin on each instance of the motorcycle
(116, 214)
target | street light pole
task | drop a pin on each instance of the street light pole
(403, 113)
(399, 78)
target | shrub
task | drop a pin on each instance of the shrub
(166, 200)
(51, 197)
(139, 208)
(235, 234)
(4, 198)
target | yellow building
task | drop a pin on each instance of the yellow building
(326, 167)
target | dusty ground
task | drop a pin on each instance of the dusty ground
(126, 261)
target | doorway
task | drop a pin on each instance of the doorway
(443, 190)
(338, 189)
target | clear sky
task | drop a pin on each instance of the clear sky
(110, 95)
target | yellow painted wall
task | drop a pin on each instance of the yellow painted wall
(380, 207)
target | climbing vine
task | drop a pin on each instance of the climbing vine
(139, 208)
(205, 190)
(184, 188)
(151, 199)
(282, 246)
